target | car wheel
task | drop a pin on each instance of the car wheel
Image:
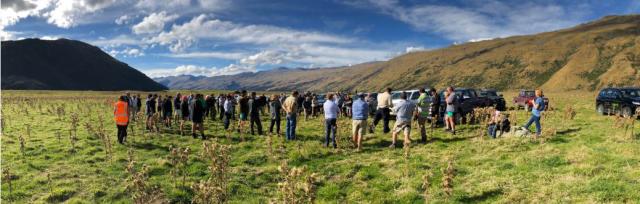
(600, 109)
(626, 112)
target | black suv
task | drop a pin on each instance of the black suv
(496, 99)
(468, 100)
(624, 101)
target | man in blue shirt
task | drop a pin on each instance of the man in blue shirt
(404, 114)
(538, 107)
(360, 112)
(330, 119)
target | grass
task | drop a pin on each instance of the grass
(586, 161)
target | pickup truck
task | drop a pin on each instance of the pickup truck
(623, 101)
(412, 95)
(524, 99)
(468, 100)
(496, 99)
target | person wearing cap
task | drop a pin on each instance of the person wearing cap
(404, 114)
(290, 107)
(359, 115)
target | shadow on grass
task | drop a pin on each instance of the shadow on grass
(481, 197)
(449, 139)
(570, 130)
(149, 146)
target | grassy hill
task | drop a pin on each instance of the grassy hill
(589, 159)
(586, 57)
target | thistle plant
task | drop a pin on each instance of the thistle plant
(179, 158)
(138, 184)
(425, 186)
(447, 179)
(215, 188)
(22, 145)
(8, 177)
(297, 186)
(72, 139)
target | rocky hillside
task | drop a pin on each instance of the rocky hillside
(67, 65)
(586, 57)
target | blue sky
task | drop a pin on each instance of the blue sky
(216, 37)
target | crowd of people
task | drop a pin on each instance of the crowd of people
(244, 107)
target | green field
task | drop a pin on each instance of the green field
(590, 158)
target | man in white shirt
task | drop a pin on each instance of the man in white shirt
(384, 111)
(330, 119)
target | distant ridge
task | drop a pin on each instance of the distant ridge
(67, 65)
(605, 52)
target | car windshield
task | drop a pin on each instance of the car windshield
(395, 95)
(632, 93)
(529, 93)
(488, 93)
(415, 96)
(321, 96)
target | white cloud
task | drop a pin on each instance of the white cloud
(116, 41)
(199, 71)
(217, 55)
(414, 49)
(482, 19)
(153, 23)
(128, 52)
(122, 20)
(12, 11)
(201, 27)
(65, 14)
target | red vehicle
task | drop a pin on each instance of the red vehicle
(523, 100)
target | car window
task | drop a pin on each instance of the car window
(395, 95)
(530, 93)
(603, 93)
(415, 95)
(632, 93)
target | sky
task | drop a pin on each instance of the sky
(221, 37)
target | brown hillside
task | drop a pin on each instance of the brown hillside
(586, 57)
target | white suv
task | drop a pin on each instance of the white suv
(412, 95)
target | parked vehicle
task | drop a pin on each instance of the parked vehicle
(623, 101)
(412, 95)
(468, 99)
(496, 99)
(524, 98)
(321, 98)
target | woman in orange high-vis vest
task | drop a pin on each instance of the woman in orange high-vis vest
(121, 116)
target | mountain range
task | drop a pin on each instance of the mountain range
(605, 52)
(67, 65)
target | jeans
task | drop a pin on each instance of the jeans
(222, 112)
(122, 133)
(382, 113)
(534, 119)
(275, 121)
(492, 130)
(255, 119)
(227, 119)
(291, 126)
(330, 130)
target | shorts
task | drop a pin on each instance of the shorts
(166, 115)
(177, 113)
(243, 116)
(450, 113)
(358, 127)
(402, 126)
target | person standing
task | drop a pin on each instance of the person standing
(228, 110)
(422, 114)
(536, 113)
(435, 106)
(383, 112)
(121, 116)
(360, 113)
(177, 113)
(290, 107)
(221, 100)
(348, 103)
(244, 110)
(330, 120)
(167, 109)
(306, 104)
(198, 116)
(151, 109)
(184, 108)
(451, 100)
(133, 107)
(254, 113)
(314, 106)
(274, 107)
(138, 105)
(372, 104)
(404, 113)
